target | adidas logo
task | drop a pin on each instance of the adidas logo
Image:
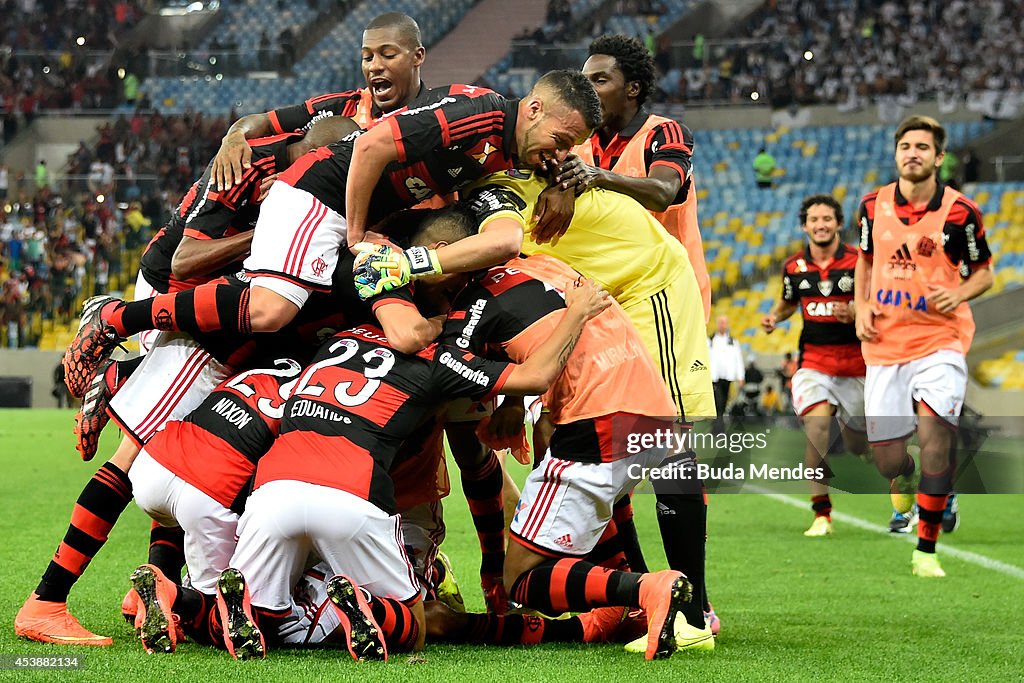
(804, 284)
(697, 366)
(901, 263)
(902, 257)
(564, 541)
(454, 172)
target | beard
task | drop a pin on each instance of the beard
(922, 174)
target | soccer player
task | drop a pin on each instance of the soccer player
(611, 386)
(392, 54)
(196, 473)
(818, 281)
(637, 153)
(913, 319)
(456, 135)
(171, 380)
(324, 484)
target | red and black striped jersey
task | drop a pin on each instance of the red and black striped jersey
(963, 235)
(668, 144)
(609, 381)
(451, 137)
(205, 213)
(301, 117)
(352, 408)
(826, 345)
(216, 447)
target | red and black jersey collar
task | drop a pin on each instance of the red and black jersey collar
(376, 113)
(806, 253)
(936, 201)
(631, 129)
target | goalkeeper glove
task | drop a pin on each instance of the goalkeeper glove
(377, 269)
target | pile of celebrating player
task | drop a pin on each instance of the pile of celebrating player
(359, 275)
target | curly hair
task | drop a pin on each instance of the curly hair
(633, 60)
(825, 200)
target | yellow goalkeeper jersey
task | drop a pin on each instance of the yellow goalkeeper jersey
(612, 239)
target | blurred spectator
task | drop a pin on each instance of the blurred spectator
(5, 182)
(60, 389)
(12, 310)
(764, 167)
(42, 175)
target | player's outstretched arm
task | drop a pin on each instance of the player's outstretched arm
(194, 257)
(371, 153)
(235, 154)
(584, 300)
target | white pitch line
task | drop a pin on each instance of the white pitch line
(947, 550)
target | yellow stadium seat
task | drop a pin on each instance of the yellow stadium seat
(762, 219)
(721, 166)
(871, 177)
(839, 192)
(798, 144)
(810, 150)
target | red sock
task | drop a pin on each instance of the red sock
(101, 502)
(218, 305)
(571, 585)
(930, 509)
(396, 621)
(482, 488)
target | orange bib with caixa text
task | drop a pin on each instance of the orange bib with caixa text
(909, 261)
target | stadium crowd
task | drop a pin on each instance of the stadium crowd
(852, 53)
(54, 55)
(60, 234)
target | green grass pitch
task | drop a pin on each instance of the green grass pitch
(840, 608)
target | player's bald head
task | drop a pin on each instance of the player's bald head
(323, 132)
(403, 24)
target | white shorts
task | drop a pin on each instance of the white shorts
(424, 531)
(209, 526)
(297, 238)
(938, 380)
(565, 505)
(170, 382)
(812, 387)
(285, 521)
(144, 290)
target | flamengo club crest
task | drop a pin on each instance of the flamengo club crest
(825, 287)
(318, 266)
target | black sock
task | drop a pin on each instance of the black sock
(682, 519)
(167, 550)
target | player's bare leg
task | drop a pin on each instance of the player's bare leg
(268, 310)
